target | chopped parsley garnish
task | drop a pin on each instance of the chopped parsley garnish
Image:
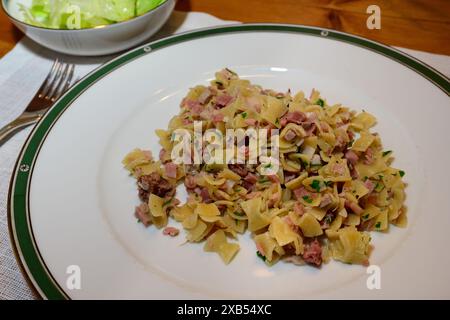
(307, 199)
(385, 153)
(304, 163)
(316, 185)
(240, 214)
(380, 176)
(263, 258)
(378, 225)
(269, 165)
(350, 143)
(277, 121)
(138, 221)
(379, 187)
(402, 173)
(366, 216)
(365, 178)
(219, 84)
(328, 219)
(263, 180)
(165, 203)
(328, 183)
(320, 102)
(244, 115)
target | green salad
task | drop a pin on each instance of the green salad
(78, 14)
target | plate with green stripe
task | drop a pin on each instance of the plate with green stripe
(71, 203)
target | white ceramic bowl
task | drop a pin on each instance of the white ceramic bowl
(94, 41)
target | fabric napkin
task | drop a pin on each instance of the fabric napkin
(21, 73)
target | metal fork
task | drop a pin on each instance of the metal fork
(58, 80)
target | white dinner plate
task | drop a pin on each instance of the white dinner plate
(71, 202)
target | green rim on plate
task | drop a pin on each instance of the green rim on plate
(21, 230)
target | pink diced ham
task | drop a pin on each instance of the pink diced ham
(223, 100)
(171, 170)
(251, 122)
(217, 117)
(313, 253)
(292, 117)
(251, 178)
(351, 157)
(301, 192)
(171, 231)
(299, 209)
(290, 135)
(190, 182)
(142, 214)
(369, 156)
(369, 185)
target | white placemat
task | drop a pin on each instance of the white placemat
(22, 71)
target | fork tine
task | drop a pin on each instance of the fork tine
(65, 81)
(43, 90)
(55, 81)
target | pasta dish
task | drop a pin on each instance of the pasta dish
(332, 185)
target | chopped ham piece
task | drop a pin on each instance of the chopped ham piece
(299, 209)
(326, 200)
(290, 135)
(292, 117)
(217, 117)
(252, 195)
(154, 183)
(369, 156)
(162, 154)
(301, 192)
(369, 185)
(171, 170)
(351, 157)
(186, 121)
(251, 122)
(142, 214)
(248, 185)
(239, 169)
(354, 207)
(291, 224)
(288, 176)
(251, 178)
(171, 231)
(204, 193)
(190, 182)
(223, 100)
(309, 128)
(313, 253)
(274, 178)
(195, 107)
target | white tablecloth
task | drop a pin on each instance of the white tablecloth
(22, 71)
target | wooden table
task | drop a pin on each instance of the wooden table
(415, 24)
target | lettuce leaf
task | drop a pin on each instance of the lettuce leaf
(76, 14)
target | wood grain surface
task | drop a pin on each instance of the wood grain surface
(415, 24)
